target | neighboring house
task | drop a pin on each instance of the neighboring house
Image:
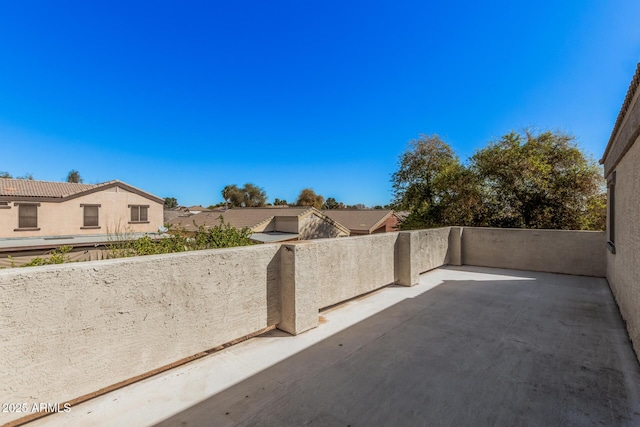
(365, 221)
(197, 209)
(270, 224)
(621, 161)
(179, 211)
(36, 209)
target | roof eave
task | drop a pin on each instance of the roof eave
(631, 91)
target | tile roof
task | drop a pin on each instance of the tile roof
(59, 191)
(360, 219)
(32, 188)
(237, 217)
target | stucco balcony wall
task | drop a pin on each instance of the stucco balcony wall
(554, 251)
(353, 266)
(69, 330)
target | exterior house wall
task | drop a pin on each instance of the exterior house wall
(286, 224)
(391, 224)
(66, 218)
(265, 227)
(623, 267)
(388, 226)
(622, 168)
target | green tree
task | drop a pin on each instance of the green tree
(248, 196)
(308, 197)
(28, 176)
(539, 181)
(4, 174)
(423, 183)
(232, 196)
(278, 202)
(253, 196)
(170, 202)
(331, 203)
(74, 177)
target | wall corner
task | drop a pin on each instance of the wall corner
(454, 253)
(300, 290)
(406, 249)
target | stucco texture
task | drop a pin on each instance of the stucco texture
(432, 250)
(623, 267)
(353, 266)
(314, 227)
(66, 218)
(555, 251)
(69, 330)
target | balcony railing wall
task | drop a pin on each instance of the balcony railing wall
(69, 330)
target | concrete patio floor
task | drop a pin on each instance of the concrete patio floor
(468, 346)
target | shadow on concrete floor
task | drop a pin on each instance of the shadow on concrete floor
(537, 349)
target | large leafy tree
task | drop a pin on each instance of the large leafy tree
(230, 194)
(539, 181)
(248, 196)
(331, 203)
(433, 186)
(253, 196)
(308, 197)
(170, 202)
(522, 180)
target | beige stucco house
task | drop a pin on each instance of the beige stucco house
(621, 162)
(31, 209)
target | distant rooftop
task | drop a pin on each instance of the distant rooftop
(198, 208)
(59, 191)
(238, 217)
(362, 220)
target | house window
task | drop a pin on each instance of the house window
(611, 244)
(90, 216)
(27, 216)
(139, 213)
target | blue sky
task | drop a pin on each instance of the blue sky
(182, 98)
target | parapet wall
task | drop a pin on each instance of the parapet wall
(72, 329)
(555, 251)
(69, 330)
(354, 266)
